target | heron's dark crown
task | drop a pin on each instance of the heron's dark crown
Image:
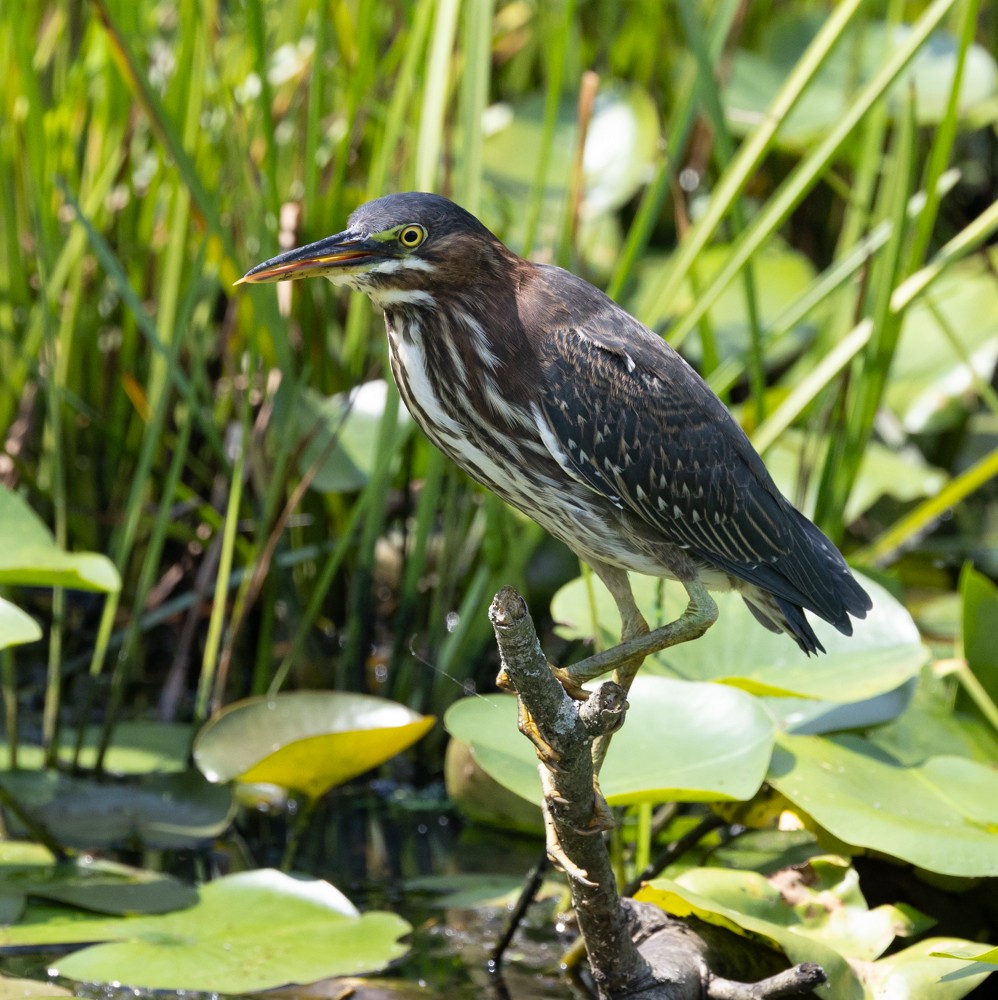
(438, 215)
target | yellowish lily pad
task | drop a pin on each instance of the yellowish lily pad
(309, 741)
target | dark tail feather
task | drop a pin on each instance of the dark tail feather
(782, 616)
(835, 591)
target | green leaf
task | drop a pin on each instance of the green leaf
(780, 276)
(248, 932)
(757, 76)
(480, 798)
(621, 148)
(16, 989)
(988, 957)
(136, 748)
(883, 472)
(474, 890)
(89, 883)
(931, 728)
(308, 741)
(941, 814)
(940, 968)
(16, 628)
(884, 651)
(29, 556)
(812, 925)
(949, 339)
(681, 741)
(341, 432)
(824, 903)
(161, 811)
(752, 908)
(767, 851)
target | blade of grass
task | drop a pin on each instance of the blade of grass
(257, 36)
(66, 261)
(477, 58)
(869, 374)
(804, 392)
(204, 703)
(112, 266)
(943, 138)
(821, 289)
(915, 522)
(751, 154)
(800, 181)
(359, 607)
(58, 344)
(681, 120)
(147, 99)
(555, 52)
(142, 477)
(724, 152)
(320, 585)
(429, 147)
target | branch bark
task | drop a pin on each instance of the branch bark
(635, 950)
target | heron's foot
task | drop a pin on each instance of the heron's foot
(547, 754)
(602, 820)
(573, 688)
(559, 856)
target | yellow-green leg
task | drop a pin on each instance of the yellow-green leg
(636, 640)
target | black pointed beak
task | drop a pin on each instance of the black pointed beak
(345, 253)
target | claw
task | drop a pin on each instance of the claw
(546, 753)
(602, 820)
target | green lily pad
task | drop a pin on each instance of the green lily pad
(941, 968)
(136, 748)
(812, 926)
(29, 556)
(930, 727)
(681, 741)
(88, 883)
(480, 798)
(750, 908)
(474, 890)
(883, 472)
(36, 989)
(309, 741)
(16, 628)
(342, 434)
(161, 811)
(757, 76)
(781, 275)
(767, 851)
(949, 337)
(248, 932)
(621, 149)
(941, 814)
(884, 651)
(826, 905)
(989, 957)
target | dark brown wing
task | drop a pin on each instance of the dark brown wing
(638, 425)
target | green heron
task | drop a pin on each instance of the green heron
(544, 390)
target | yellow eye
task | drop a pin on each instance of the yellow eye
(412, 236)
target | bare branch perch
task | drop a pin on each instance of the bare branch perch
(635, 950)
